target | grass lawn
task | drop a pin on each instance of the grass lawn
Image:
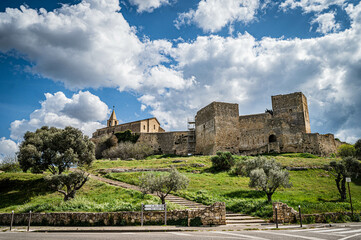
(23, 192)
(314, 189)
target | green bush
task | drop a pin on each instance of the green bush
(358, 149)
(238, 168)
(346, 150)
(223, 161)
(356, 217)
(126, 150)
(10, 164)
(196, 222)
(127, 136)
(309, 219)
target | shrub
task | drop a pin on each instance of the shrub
(346, 150)
(10, 164)
(238, 168)
(358, 149)
(126, 150)
(127, 136)
(223, 161)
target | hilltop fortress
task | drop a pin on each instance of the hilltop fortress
(218, 127)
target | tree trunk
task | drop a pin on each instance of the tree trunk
(162, 198)
(343, 189)
(269, 197)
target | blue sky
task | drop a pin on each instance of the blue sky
(69, 62)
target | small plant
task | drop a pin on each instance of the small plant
(223, 161)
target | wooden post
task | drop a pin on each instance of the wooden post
(276, 217)
(29, 221)
(141, 221)
(165, 214)
(299, 210)
(12, 220)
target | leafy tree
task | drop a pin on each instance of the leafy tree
(127, 136)
(347, 167)
(346, 150)
(72, 182)
(162, 185)
(266, 175)
(55, 150)
(358, 149)
(223, 161)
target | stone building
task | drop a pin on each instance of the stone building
(218, 127)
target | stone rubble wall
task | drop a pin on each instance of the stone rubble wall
(286, 214)
(212, 215)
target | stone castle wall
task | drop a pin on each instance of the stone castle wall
(286, 214)
(167, 142)
(212, 215)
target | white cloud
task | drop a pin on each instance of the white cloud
(213, 15)
(8, 148)
(244, 70)
(84, 111)
(326, 23)
(311, 5)
(148, 5)
(88, 44)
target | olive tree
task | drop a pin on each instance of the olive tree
(266, 175)
(55, 150)
(347, 167)
(67, 184)
(163, 184)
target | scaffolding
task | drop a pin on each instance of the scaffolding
(191, 138)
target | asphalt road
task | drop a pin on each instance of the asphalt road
(349, 232)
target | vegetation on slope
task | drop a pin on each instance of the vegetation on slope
(23, 192)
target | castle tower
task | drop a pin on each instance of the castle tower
(217, 128)
(293, 109)
(112, 120)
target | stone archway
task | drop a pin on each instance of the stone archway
(272, 138)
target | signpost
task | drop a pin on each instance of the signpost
(348, 180)
(160, 207)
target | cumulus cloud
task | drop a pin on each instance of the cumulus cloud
(8, 148)
(244, 70)
(88, 44)
(84, 111)
(213, 15)
(311, 5)
(148, 5)
(326, 23)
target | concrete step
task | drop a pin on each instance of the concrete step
(241, 218)
(245, 221)
(235, 214)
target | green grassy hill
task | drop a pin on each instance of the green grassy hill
(313, 188)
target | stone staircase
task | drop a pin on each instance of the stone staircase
(184, 202)
(242, 219)
(171, 198)
(231, 218)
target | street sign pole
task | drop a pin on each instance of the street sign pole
(141, 221)
(348, 180)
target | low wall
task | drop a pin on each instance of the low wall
(212, 215)
(286, 214)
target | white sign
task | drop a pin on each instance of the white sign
(154, 207)
(348, 179)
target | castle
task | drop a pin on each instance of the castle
(218, 127)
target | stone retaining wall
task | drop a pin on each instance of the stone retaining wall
(212, 215)
(286, 214)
